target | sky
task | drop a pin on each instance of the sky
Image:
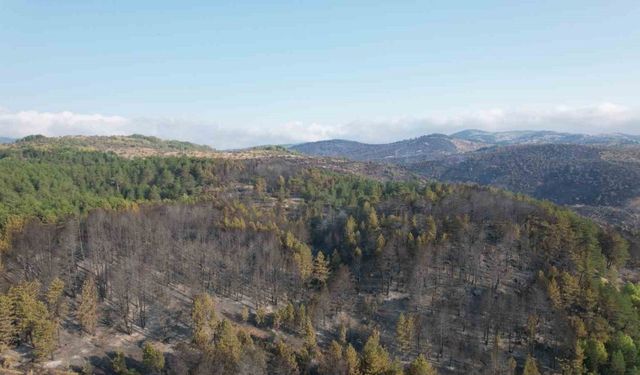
(242, 73)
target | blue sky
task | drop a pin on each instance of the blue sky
(239, 73)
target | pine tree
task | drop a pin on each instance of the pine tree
(301, 318)
(289, 315)
(277, 319)
(396, 368)
(420, 366)
(152, 358)
(304, 260)
(380, 242)
(335, 352)
(373, 220)
(118, 364)
(332, 362)
(260, 316)
(27, 309)
(400, 334)
(430, 195)
(154, 193)
(554, 293)
(404, 332)
(203, 318)
(310, 334)
(260, 186)
(285, 359)
(227, 343)
(351, 360)
(530, 367)
(7, 327)
(626, 345)
(282, 188)
(431, 229)
(245, 339)
(56, 302)
(88, 309)
(595, 354)
(570, 288)
(618, 366)
(320, 269)
(350, 232)
(375, 359)
(44, 337)
(577, 364)
(244, 314)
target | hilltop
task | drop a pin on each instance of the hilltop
(127, 146)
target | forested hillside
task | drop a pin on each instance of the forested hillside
(128, 146)
(594, 174)
(565, 174)
(185, 265)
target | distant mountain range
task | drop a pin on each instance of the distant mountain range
(436, 146)
(544, 136)
(427, 147)
(5, 140)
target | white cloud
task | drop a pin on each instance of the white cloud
(20, 124)
(603, 118)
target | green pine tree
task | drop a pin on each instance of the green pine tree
(7, 328)
(375, 359)
(152, 358)
(420, 366)
(88, 309)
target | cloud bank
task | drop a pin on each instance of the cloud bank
(603, 118)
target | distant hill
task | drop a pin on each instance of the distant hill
(427, 147)
(4, 140)
(565, 174)
(128, 146)
(544, 136)
(436, 146)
